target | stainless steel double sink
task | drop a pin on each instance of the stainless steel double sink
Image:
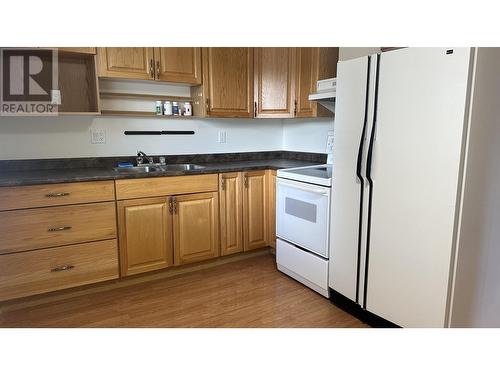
(149, 168)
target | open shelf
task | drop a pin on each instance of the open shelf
(118, 95)
(144, 114)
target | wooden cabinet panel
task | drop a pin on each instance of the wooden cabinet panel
(231, 212)
(87, 50)
(255, 214)
(40, 271)
(145, 227)
(126, 62)
(179, 65)
(274, 82)
(17, 197)
(196, 227)
(228, 81)
(313, 64)
(163, 186)
(271, 198)
(56, 226)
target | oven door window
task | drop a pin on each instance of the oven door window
(303, 210)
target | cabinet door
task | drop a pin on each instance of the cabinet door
(178, 65)
(307, 73)
(228, 82)
(231, 213)
(255, 214)
(196, 227)
(128, 62)
(145, 227)
(274, 82)
(313, 64)
(271, 199)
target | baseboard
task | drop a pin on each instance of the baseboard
(357, 311)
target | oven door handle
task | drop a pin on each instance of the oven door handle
(306, 189)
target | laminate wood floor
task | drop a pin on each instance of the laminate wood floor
(246, 293)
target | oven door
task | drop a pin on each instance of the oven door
(302, 214)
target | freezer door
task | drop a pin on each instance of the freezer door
(415, 169)
(349, 185)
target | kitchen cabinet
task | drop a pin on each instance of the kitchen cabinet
(196, 227)
(176, 65)
(126, 62)
(313, 64)
(145, 227)
(231, 212)
(228, 82)
(85, 50)
(271, 199)
(274, 82)
(255, 214)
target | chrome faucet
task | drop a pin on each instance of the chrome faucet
(141, 156)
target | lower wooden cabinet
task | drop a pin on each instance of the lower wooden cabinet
(196, 227)
(231, 212)
(39, 271)
(255, 220)
(146, 239)
(271, 198)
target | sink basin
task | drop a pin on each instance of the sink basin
(182, 167)
(138, 169)
(158, 168)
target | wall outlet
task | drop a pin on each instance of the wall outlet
(56, 97)
(221, 136)
(329, 144)
(97, 136)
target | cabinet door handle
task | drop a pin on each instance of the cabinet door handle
(174, 201)
(223, 183)
(59, 229)
(157, 69)
(62, 268)
(255, 109)
(151, 69)
(56, 195)
(170, 206)
(207, 105)
(295, 108)
(245, 181)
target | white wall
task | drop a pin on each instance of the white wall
(45, 137)
(347, 53)
(306, 135)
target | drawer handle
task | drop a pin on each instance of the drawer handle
(62, 268)
(57, 195)
(59, 229)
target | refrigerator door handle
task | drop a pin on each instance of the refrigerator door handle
(359, 167)
(369, 162)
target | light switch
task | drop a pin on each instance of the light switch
(221, 137)
(97, 136)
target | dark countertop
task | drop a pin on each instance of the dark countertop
(53, 176)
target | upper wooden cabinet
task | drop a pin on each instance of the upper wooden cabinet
(274, 82)
(128, 62)
(228, 82)
(86, 50)
(176, 65)
(181, 65)
(313, 64)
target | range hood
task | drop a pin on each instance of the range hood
(326, 91)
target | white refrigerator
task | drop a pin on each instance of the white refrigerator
(411, 189)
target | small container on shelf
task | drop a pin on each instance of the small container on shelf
(167, 108)
(175, 108)
(188, 109)
(158, 111)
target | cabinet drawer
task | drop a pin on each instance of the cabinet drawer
(163, 186)
(41, 271)
(55, 226)
(17, 197)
